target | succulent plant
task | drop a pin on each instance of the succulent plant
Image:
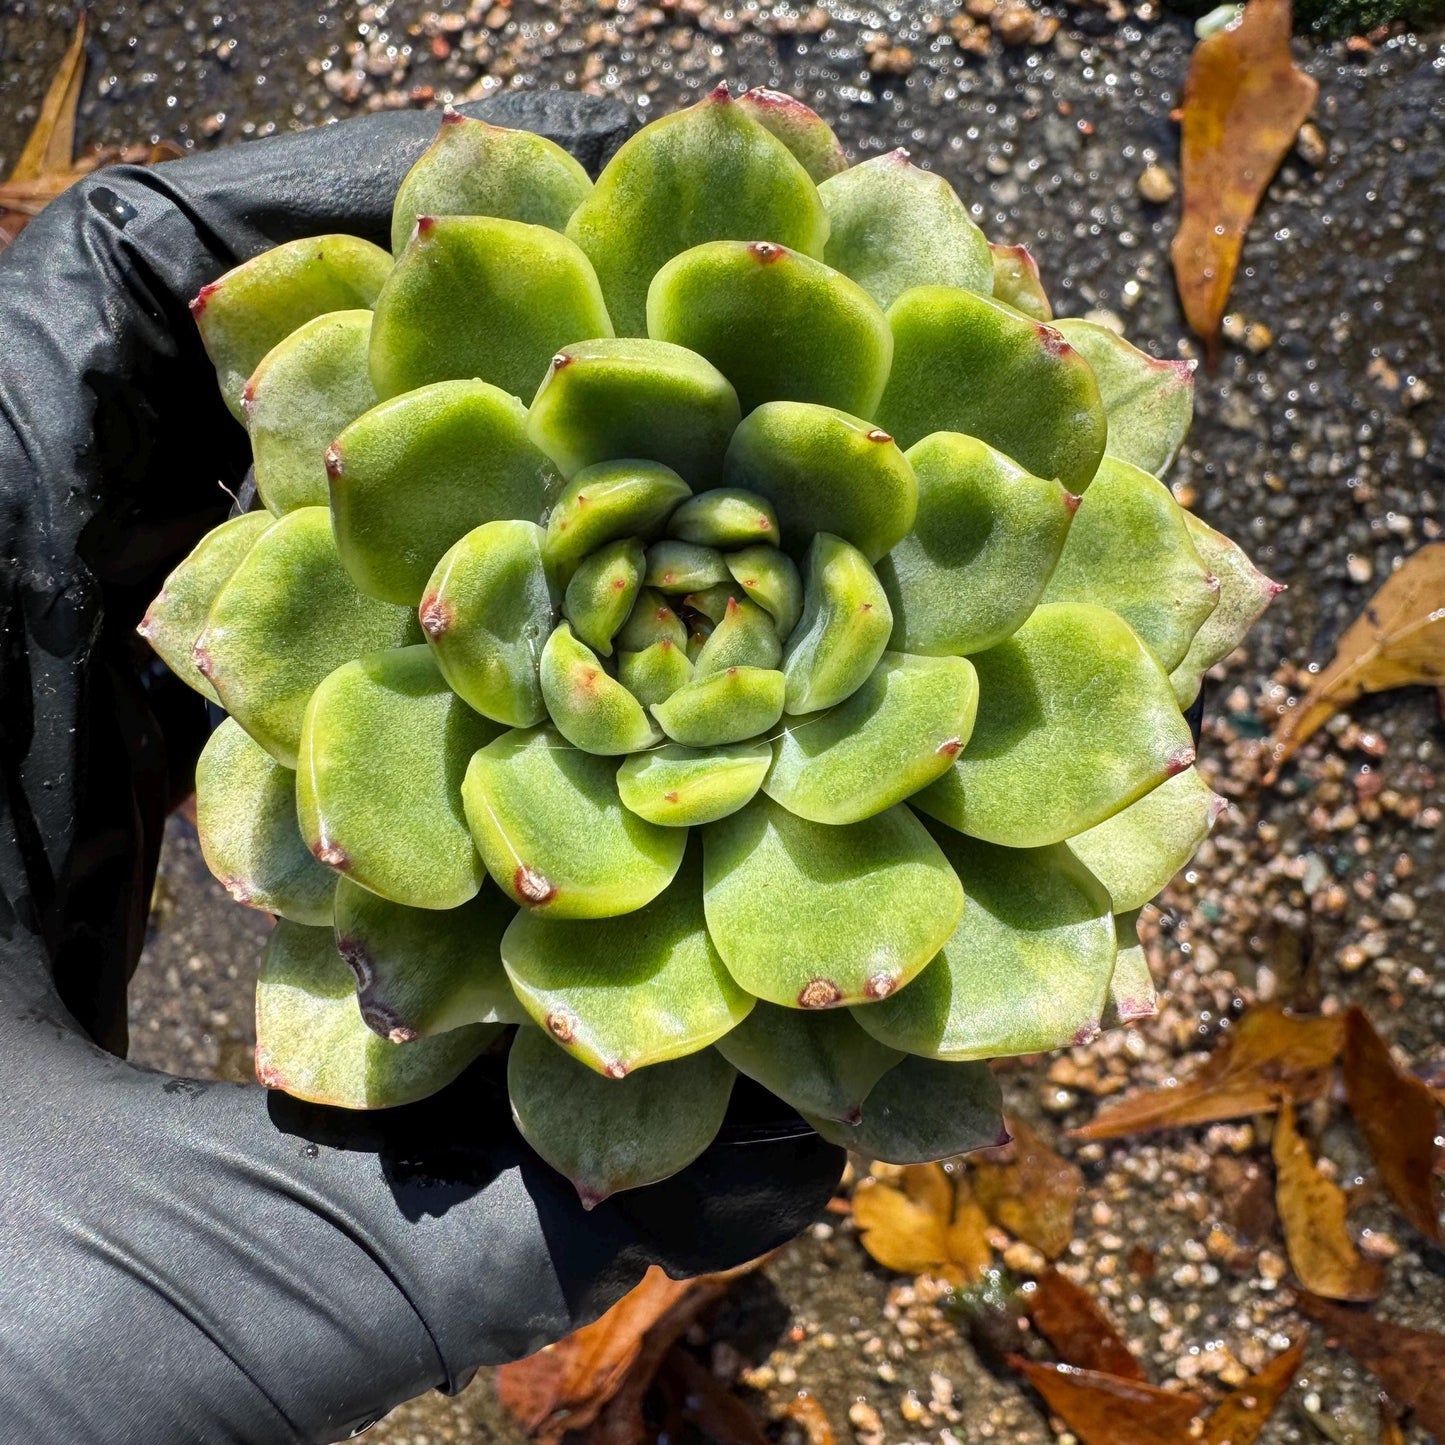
(711, 619)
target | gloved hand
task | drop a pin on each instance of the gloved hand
(184, 1261)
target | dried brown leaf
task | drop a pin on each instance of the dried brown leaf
(808, 1411)
(1029, 1189)
(1410, 1364)
(1244, 103)
(1242, 1414)
(599, 1375)
(1400, 1120)
(1312, 1210)
(51, 143)
(708, 1404)
(1105, 1410)
(1268, 1055)
(1398, 641)
(1070, 1319)
(928, 1223)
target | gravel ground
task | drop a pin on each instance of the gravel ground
(1318, 442)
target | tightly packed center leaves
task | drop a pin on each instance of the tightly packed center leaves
(711, 618)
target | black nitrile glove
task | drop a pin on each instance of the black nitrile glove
(183, 1261)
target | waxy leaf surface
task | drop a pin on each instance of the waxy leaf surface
(1132, 994)
(606, 1135)
(306, 389)
(311, 1041)
(1016, 281)
(622, 993)
(475, 296)
(880, 902)
(250, 839)
(706, 173)
(805, 133)
(893, 226)
(384, 748)
(1026, 969)
(724, 707)
(287, 617)
(530, 796)
(1075, 721)
(608, 501)
(425, 971)
(678, 787)
(963, 362)
(779, 325)
(587, 705)
(984, 543)
(414, 474)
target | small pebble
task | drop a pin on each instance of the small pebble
(1156, 185)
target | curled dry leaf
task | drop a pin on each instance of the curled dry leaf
(1105, 1410)
(1241, 1415)
(1269, 1055)
(928, 1223)
(1400, 1120)
(1410, 1364)
(808, 1411)
(706, 1403)
(1070, 1319)
(1244, 103)
(1028, 1189)
(1312, 1210)
(599, 1374)
(1398, 640)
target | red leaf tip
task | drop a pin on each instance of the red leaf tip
(531, 887)
(767, 251)
(198, 303)
(819, 993)
(1071, 501)
(334, 467)
(1178, 761)
(719, 94)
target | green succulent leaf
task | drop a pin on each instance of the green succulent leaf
(1132, 995)
(744, 637)
(712, 602)
(588, 706)
(476, 169)
(1027, 969)
(384, 748)
(1135, 853)
(623, 993)
(923, 1110)
(778, 324)
(485, 610)
(426, 971)
(963, 362)
(655, 673)
(1075, 720)
(844, 629)
(895, 734)
(530, 797)
(174, 622)
(306, 389)
(805, 133)
(1130, 550)
(263, 300)
(627, 396)
(703, 174)
(983, 546)
(1244, 593)
(723, 707)
(678, 787)
(607, 501)
(820, 1063)
(825, 471)
(893, 226)
(651, 621)
(770, 578)
(607, 1135)
(246, 820)
(727, 517)
(414, 474)
(602, 591)
(682, 567)
(810, 916)
(288, 616)
(1016, 281)
(476, 296)
(311, 1041)
(1149, 403)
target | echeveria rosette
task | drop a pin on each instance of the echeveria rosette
(710, 620)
